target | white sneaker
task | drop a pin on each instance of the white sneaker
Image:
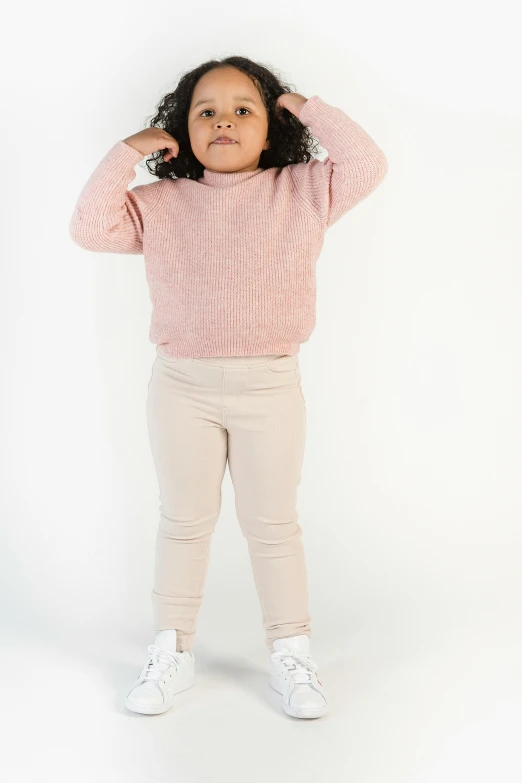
(293, 676)
(166, 673)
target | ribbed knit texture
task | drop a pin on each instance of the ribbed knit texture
(230, 259)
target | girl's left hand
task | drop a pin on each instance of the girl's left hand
(291, 101)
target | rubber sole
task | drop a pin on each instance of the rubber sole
(304, 712)
(157, 709)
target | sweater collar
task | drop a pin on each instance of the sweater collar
(223, 179)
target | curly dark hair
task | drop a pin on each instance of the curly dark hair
(290, 140)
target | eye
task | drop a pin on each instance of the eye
(241, 108)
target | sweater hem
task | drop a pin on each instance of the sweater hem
(174, 352)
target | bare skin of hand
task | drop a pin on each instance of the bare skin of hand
(153, 140)
(292, 101)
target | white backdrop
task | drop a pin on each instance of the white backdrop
(410, 500)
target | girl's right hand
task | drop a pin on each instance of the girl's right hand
(152, 140)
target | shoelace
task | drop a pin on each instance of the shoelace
(158, 658)
(300, 665)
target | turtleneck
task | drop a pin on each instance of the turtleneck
(232, 276)
(222, 179)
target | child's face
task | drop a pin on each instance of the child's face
(232, 107)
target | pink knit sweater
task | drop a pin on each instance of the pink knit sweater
(230, 259)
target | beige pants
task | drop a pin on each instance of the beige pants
(251, 411)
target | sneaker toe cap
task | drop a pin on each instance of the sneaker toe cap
(306, 698)
(147, 694)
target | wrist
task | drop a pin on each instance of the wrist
(300, 109)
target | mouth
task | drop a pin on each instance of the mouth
(224, 140)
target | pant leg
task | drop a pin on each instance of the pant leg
(266, 437)
(189, 449)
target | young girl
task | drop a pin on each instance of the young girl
(230, 232)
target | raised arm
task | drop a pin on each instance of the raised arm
(354, 167)
(108, 218)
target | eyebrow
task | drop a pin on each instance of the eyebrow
(236, 98)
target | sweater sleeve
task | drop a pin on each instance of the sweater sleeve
(354, 167)
(107, 217)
